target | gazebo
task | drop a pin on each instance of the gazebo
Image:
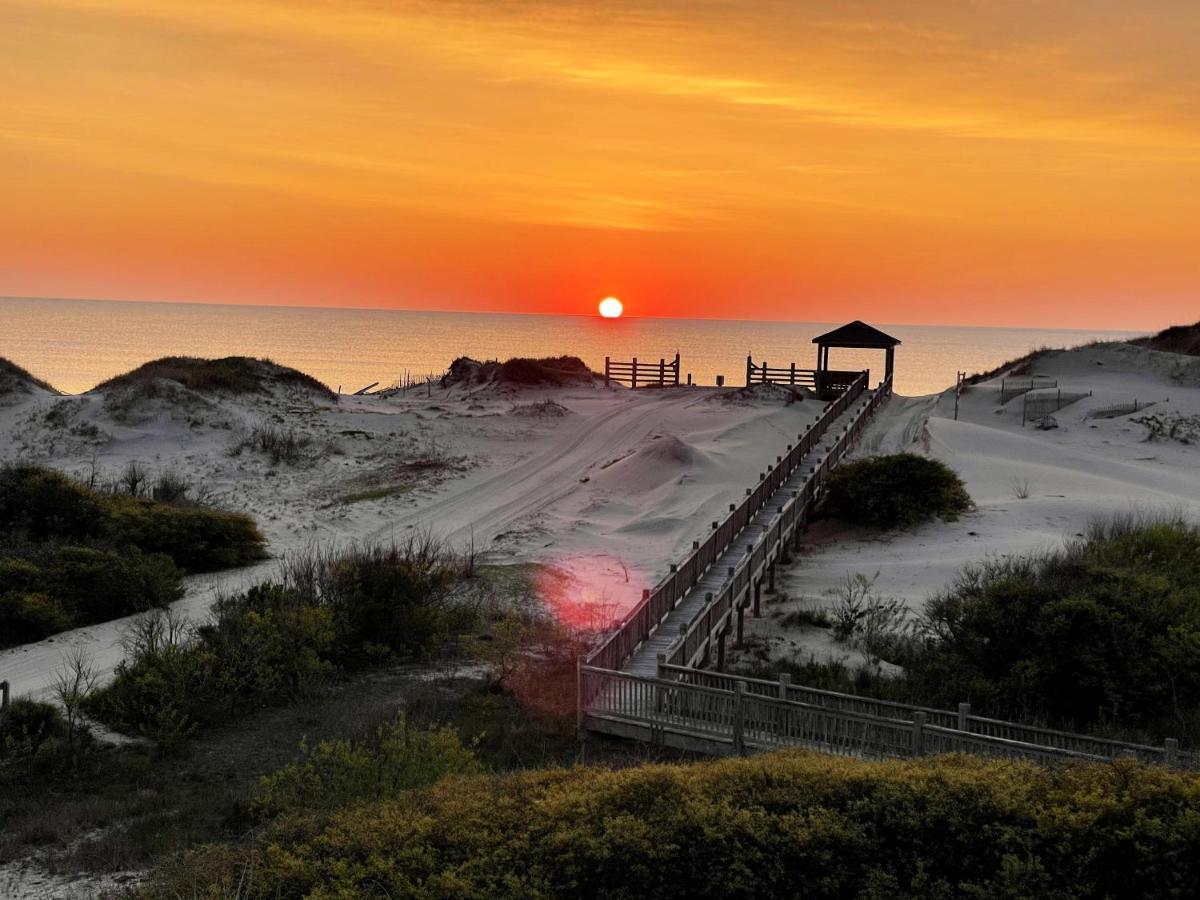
(858, 336)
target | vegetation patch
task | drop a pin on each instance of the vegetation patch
(16, 380)
(787, 824)
(73, 555)
(280, 641)
(229, 375)
(1103, 634)
(894, 491)
(550, 371)
(1183, 339)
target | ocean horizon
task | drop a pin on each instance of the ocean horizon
(75, 344)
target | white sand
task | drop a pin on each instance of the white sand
(1086, 469)
(610, 489)
(615, 485)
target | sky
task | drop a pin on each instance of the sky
(1029, 162)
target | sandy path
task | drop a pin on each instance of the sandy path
(484, 506)
(489, 502)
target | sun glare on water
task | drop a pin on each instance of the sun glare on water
(611, 308)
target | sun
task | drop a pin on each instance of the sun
(611, 308)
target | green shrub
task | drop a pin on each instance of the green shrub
(197, 539)
(780, 825)
(61, 587)
(894, 491)
(72, 556)
(397, 757)
(43, 504)
(1104, 633)
(27, 617)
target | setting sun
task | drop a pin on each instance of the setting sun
(611, 308)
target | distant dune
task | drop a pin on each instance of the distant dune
(229, 375)
(1183, 339)
(15, 380)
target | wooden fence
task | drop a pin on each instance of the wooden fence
(645, 617)
(1120, 409)
(1014, 387)
(1037, 403)
(761, 373)
(646, 374)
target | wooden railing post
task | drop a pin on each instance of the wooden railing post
(677, 370)
(634, 384)
(964, 713)
(739, 739)
(1171, 752)
(918, 733)
(749, 371)
(4, 692)
(785, 682)
(662, 372)
(607, 364)
(578, 695)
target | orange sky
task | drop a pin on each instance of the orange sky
(1025, 163)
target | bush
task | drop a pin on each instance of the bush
(43, 504)
(395, 758)
(785, 825)
(197, 539)
(27, 617)
(279, 641)
(895, 491)
(61, 587)
(1104, 633)
(72, 556)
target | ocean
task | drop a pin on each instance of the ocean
(75, 344)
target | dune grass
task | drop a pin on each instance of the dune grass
(231, 375)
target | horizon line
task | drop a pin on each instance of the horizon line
(394, 309)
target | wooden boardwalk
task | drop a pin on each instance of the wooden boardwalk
(653, 679)
(717, 577)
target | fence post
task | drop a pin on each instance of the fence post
(785, 681)
(1171, 752)
(964, 713)
(578, 695)
(677, 370)
(607, 363)
(739, 740)
(634, 384)
(792, 379)
(3, 695)
(662, 372)
(764, 371)
(749, 370)
(918, 733)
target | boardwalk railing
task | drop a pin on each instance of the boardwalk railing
(722, 714)
(645, 617)
(633, 373)
(696, 639)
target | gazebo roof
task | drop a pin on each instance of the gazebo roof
(857, 334)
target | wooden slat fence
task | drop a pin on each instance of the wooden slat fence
(761, 373)
(660, 374)
(1015, 386)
